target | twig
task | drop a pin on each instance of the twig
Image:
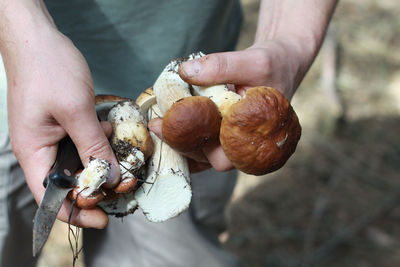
(74, 244)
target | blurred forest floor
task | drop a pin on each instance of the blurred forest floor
(335, 203)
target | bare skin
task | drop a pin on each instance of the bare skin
(51, 94)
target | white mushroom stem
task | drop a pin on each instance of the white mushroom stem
(219, 94)
(169, 87)
(130, 137)
(166, 192)
(93, 176)
(121, 206)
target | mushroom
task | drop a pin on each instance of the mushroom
(166, 192)
(130, 141)
(189, 122)
(87, 191)
(259, 132)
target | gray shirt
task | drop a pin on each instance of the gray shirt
(127, 43)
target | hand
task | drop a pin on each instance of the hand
(276, 64)
(51, 95)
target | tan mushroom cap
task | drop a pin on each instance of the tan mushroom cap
(146, 99)
(191, 123)
(260, 132)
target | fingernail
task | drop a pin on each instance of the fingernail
(191, 68)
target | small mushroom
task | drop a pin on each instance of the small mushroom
(130, 141)
(260, 132)
(189, 122)
(88, 191)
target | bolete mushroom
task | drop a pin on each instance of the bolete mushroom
(130, 141)
(166, 192)
(189, 122)
(260, 132)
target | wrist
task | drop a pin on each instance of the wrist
(22, 22)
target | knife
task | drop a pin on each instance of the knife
(59, 181)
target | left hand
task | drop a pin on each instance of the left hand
(274, 63)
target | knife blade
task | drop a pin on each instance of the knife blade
(59, 181)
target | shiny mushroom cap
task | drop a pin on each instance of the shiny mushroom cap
(191, 123)
(260, 132)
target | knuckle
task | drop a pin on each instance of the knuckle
(75, 109)
(264, 63)
(219, 63)
(97, 149)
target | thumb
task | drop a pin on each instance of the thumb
(239, 68)
(85, 130)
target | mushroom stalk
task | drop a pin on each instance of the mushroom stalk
(131, 142)
(169, 87)
(166, 192)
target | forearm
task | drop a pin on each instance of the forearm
(297, 28)
(302, 21)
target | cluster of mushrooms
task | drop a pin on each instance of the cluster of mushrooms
(258, 133)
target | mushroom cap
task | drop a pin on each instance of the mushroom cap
(146, 99)
(126, 185)
(191, 123)
(88, 202)
(260, 132)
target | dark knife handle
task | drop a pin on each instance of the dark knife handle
(67, 163)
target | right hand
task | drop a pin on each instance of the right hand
(50, 95)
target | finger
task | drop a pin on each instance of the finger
(107, 128)
(217, 158)
(241, 68)
(34, 177)
(90, 140)
(155, 125)
(85, 218)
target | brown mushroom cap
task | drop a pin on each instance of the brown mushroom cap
(260, 132)
(191, 123)
(86, 202)
(126, 185)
